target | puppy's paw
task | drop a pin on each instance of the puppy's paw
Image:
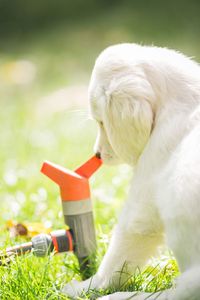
(122, 296)
(74, 288)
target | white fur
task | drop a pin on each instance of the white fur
(147, 103)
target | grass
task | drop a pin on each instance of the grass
(34, 129)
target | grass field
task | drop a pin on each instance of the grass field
(43, 84)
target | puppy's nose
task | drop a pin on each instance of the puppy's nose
(98, 155)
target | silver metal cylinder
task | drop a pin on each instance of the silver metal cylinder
(78, 216)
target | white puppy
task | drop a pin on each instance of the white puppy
(146, 101)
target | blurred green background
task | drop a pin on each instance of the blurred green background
(47, 51)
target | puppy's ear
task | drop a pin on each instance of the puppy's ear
(129, 112)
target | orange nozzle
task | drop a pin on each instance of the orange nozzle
(73, 185)
(89, 167)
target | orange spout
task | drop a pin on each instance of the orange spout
(73, 185)
(89, 167)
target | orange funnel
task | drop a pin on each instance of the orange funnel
(73, 185)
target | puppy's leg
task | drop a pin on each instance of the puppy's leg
(126, 253)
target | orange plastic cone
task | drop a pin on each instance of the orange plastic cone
(73, 185)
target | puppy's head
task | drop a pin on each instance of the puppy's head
(120, 102)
